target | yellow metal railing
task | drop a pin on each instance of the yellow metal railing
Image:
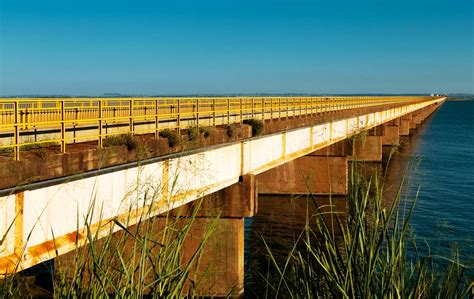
(26, 122)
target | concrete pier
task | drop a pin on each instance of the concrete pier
(367, 149)
(404, 129)
(391, 134)
(310, 174)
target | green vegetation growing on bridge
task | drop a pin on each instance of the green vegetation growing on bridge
(172, 136)
(126, 139)
(256, 124)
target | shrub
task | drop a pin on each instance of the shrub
(257, 126)
(206, 131)
(172, 136)
(193, 133)
(230, 130)
(117, 140)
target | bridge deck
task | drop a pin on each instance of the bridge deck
(29, 122)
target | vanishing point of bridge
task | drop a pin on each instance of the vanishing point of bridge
(62, 158)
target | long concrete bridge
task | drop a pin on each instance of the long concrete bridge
(60, 159)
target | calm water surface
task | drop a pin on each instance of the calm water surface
(438, 160)
(444, 213)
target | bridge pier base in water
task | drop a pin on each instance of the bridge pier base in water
(221, 264)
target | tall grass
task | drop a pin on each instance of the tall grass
(364, 254)
(146, 259)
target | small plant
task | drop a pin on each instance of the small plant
(42, 152)
(230, 130)
(206, 131)
(172, 136)
(39, 145)
(257, 126)
(193, 133)
(117, 140)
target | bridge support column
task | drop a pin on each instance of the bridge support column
(419, 118)
(366, 149)
(404, 129)
(221, 265)
(322, 172)
(220, 270)
(412, 119)
(423, 114)
(390, 135)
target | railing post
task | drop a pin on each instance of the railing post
(26, 118)
(293, 107)
(63, 128)
(241, 110)
(197, 113)
(130, 115)
(157, 120)
(287, 111)
(213, 108)
(252, 105)
(300, 100)
(178, 120)
(271, 108)
(279, 107)
(100, 124)
(228, 110)
(16, 133)
(263, 108)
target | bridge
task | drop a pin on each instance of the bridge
(137, 158)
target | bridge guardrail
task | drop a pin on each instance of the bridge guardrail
(26, 122)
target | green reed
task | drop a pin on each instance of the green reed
(145, 259)
(362, 254)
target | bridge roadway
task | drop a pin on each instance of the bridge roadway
(45, 218)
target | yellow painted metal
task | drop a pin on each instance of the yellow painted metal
(21, 118)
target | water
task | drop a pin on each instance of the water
(444, 214)
(438, 160)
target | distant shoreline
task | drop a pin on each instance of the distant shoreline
(461, 99)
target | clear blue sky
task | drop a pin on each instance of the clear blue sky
(200, 47)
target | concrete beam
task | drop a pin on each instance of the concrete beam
(390, 135)
(366, 149)
(307, 175)
(236, 201)
(338, 149)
